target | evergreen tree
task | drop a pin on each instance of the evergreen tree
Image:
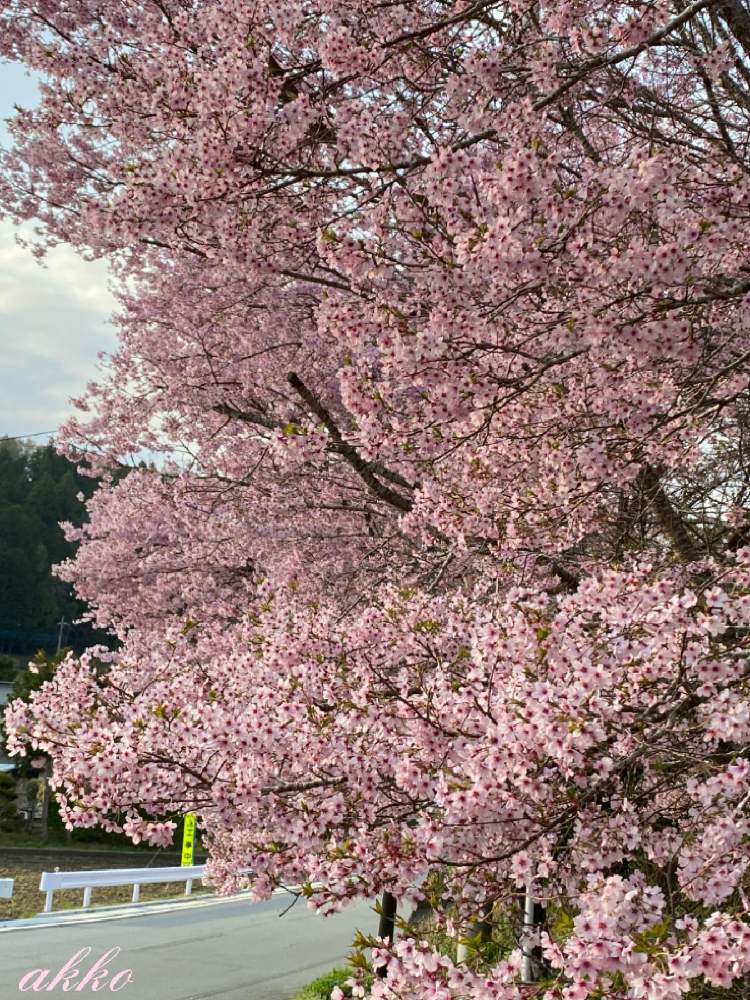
(39, 489)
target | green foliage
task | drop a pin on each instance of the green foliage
(739, 990)
(28, 681)
(38, 490)
(9, 667)
(9, 819)
(486, 945)
(320, 988)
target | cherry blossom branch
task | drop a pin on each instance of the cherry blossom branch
(347, 451)
(336, 445)
(430, 29)
(248, 416)
(599, 62)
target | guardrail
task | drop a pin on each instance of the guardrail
(136, 877)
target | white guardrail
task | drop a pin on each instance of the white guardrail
(117, 876)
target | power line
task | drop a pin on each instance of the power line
(23, 437)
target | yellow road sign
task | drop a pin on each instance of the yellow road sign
(188, 839)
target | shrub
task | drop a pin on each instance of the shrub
(9, 818)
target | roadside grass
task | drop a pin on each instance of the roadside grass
(86, 840)
(28, 901)
(320, 988)
(20, 838)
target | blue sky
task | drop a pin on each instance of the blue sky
(53, 318)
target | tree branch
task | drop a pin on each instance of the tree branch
(598, 62)
(448, 22)
(259, 418)
(248, 416)
(363, 468)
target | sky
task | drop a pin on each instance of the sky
(53, 318)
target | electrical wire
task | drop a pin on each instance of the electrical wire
(23, 437)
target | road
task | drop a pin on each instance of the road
(231, 950)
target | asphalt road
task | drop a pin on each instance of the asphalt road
(234, 950)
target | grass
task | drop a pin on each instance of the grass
(86, 840)
(27, 900)
(320, 988)
(23, 839)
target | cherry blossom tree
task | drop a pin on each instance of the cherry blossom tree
(438, 315)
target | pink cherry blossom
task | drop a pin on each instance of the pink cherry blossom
(434, 320)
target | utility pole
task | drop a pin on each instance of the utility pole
(533, 967)
(44, 818)
(386, 928)
(527, 967)
(62, 623)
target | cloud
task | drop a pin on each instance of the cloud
(53, 324)
(53, 318)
